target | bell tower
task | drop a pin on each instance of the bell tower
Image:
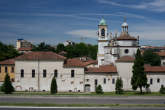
(102, 40)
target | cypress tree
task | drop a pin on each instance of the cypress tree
(119, 86)
(139, 79)
(7, 87)
(99, 90)
(53, 89)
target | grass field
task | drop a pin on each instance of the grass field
(82, 94)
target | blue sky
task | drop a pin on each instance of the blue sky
(54, 21)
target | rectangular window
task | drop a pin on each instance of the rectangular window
(104, 80)
(55, 73)
(151, 81)
(158, 80)
(113, 81)
(44, 73)
(12, 69)
(72, 73)
(6, 69)
(95, 82)
(22, 73)
(33, 73)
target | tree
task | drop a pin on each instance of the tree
(53, 89)
(7, 51)
(162, 89)
(139, 79)
(99, 90)
(43, 47)
(60, 47)
(119, 86)
(151, 58)
(7, 87)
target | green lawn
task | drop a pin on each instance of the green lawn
(82, 94)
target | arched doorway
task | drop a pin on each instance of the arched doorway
(87, 88)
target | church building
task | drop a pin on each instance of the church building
(116, 54)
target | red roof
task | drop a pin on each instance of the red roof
(8, 62)
(154, 69)
(125, 36)
(161, 54)
(79, 62)
(24, 49)
(102, 69)
(125, 59)
(40, 56)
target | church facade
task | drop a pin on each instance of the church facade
(111, 48)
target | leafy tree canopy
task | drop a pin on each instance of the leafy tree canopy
(43, 47)
(151, 58)
(7, 51)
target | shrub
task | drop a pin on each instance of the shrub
(53, 88)
(99, 90)
(162, 89)
(7, 87)
(119, 86)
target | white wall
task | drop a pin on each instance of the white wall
(132, 51)
(125, 72)
(127, 43)
(155, 86)
(107, 87)
(64, 80)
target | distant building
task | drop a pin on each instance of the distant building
(68, 42)
(23, 46)
(7, 67)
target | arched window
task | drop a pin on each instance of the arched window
(102, 32)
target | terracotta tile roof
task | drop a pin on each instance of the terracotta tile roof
(24, 49)
(40, 56)
(79, 62)
(161, 54)
(8, 62)
(154, 69)
(125, 59)
(125, 36)
(102, 69)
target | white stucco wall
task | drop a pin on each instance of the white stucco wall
(155, 86)
(64, 80)
(125, 72)
(107, 87)
(127, 43)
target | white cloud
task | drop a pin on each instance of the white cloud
(83, 33)
(121, 14)
(153, 30)
(153, 5)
